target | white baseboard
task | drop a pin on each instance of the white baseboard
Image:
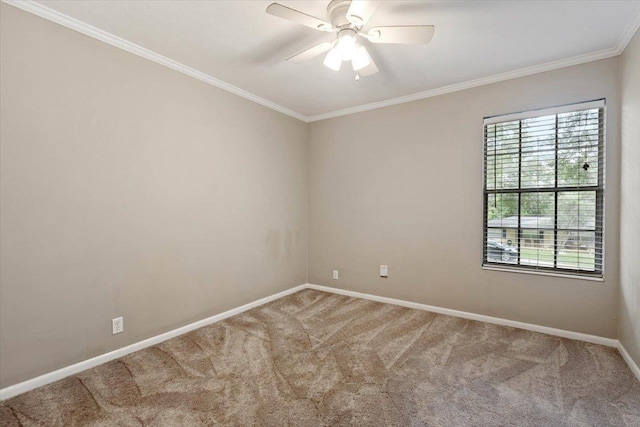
(627, 358)
(609, 342)
(59, 374)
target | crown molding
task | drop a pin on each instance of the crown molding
(627, 35)
(74, 24)
(91, 31)
(522, 72)
(629, 32)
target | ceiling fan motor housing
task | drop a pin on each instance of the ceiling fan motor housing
(347, 19)
(337, 12)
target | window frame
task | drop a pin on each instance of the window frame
(600, 195)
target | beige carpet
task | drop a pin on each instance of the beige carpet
(314, 358)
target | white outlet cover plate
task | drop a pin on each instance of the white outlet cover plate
(335, 274)
(117, 325)
(384, 271)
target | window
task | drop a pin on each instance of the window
(544, 190)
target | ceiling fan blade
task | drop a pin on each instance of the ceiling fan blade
(281, 11)
(360, 11)
(416, 34)
(369, 69)
(312, 52)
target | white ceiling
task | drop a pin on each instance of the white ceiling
(238, 43)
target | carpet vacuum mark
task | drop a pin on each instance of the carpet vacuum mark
(315, 358)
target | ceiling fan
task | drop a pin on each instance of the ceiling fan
(348, 18)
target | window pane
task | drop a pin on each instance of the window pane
(577, 210)
(578, 167)
(489, 134)
(502, 210)
(502, 171)
(578, 129)
(537, 210)
(538, 152)
(537, 247)
(490, 178)
(499, 252)
(502, 155)
(507, 132)
(578, 138)
(576, 250)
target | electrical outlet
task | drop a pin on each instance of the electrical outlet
(384, 271)
(117, 325)
(335, 274)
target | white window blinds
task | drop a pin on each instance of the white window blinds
(544, 190)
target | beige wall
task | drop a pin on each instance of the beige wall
(402, 186)
(128, 189)
(630, 202)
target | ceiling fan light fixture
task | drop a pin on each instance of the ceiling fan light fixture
(346, 46)
(333, 60)
(361, 59)
(347, 18)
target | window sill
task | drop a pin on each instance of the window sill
(543, 273)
